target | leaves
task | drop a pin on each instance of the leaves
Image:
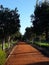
(9, 21)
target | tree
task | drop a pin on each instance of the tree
(28, 33)
(9, 23)
(41, 19)
(17, 36)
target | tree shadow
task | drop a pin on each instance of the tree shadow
(40, 63)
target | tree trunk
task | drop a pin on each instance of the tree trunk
(46, 35)
(9, 42)
(3, 44)
(40, 38)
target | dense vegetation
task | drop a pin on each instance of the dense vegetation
(38, 33)
(9, 31)
(41, 20)
(9, 24)
(40, 23)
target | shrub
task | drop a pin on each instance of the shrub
(2, 57)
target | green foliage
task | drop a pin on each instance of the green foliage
(9, 23)
(16, 36)
(28, 33)
(2, 57)
(40, 19)
(6, 45)
(42, 44)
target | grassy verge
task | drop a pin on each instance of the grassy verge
(42, 47)
(4, 54)
(2, 57)
(42, 44)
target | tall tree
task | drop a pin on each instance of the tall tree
(9, 22)
(28, 33)
(41, 19)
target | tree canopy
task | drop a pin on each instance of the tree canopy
(41, 19)
(9, 21)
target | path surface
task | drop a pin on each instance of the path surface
(24, 54)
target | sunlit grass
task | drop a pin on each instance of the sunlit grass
(2, 57)
(42, 44)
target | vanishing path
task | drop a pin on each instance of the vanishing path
(24, 54)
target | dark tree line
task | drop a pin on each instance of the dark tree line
(41, 19)
(9, 23)
(28, 33)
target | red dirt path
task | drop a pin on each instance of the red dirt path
(24, 54)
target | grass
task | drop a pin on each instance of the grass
(2, 57)
(42, 44)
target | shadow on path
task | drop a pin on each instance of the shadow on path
(40, 63)
(26, 55)
(34, 53)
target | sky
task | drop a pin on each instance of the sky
(25, 9)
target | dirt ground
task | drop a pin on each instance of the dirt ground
(24, 54)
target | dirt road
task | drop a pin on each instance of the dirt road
(24, 54)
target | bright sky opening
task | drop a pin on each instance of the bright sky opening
(25, 9)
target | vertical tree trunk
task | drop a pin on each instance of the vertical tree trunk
(3, 44)
(9, 42)
(40, 38)
(46, 35)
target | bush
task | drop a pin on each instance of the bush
(2, 57)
